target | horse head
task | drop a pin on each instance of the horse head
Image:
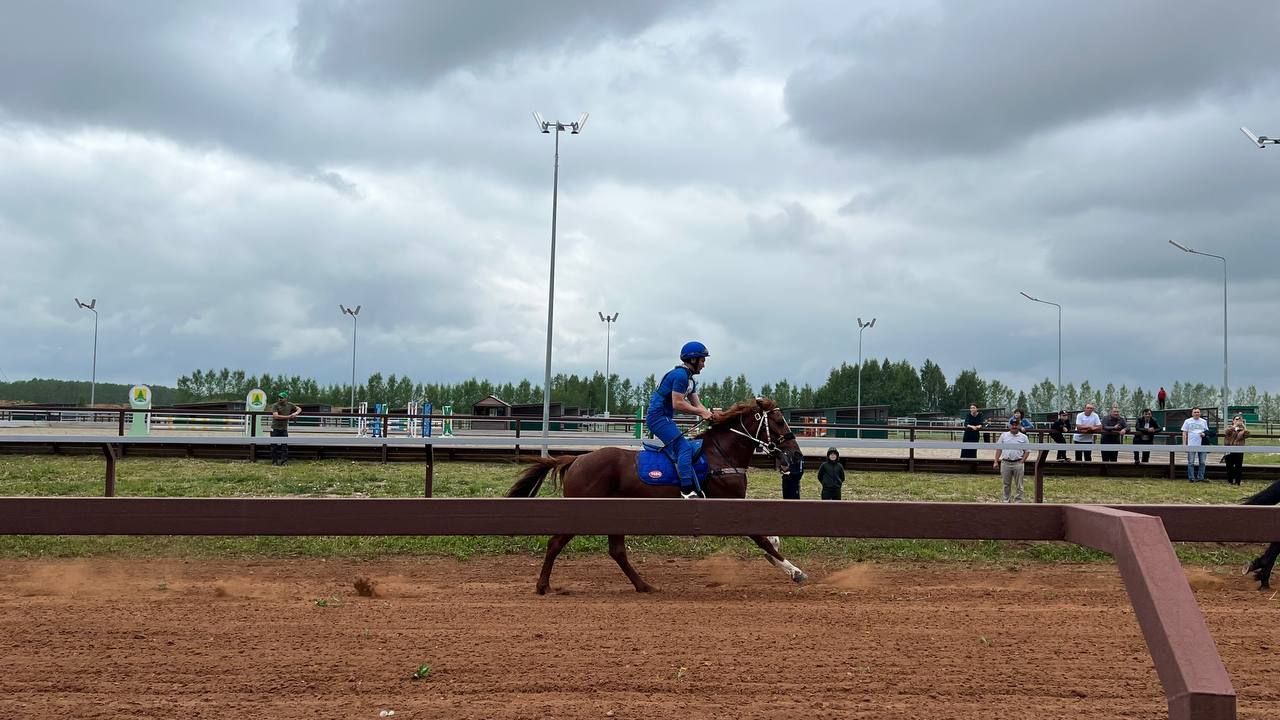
(761, 423)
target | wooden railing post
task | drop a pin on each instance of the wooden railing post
(911, 453)
(110, 485)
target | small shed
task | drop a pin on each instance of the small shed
(491, 407)
(534, 411)
(871, 415)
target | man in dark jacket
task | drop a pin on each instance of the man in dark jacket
(791, 479)
(1145, 434)
(831, 475)
(1058, 430)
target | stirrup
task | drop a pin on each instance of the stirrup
(694, 494)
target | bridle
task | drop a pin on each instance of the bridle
(767, 445)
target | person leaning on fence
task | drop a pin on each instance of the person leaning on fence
(1087, 425)
(1012, 462)
(1144, 433)
(1194, 429)
(831, 475)
(972, 426)
(1237, 434)
(281, 413)
(1114, 427)
(1058, 430)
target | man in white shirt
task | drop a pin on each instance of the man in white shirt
(1194, 430)
(1012, 462)
(1088, 424)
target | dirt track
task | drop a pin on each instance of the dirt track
(725, 638)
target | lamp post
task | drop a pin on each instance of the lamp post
(545, 126)
(93, 377)
(355, 323)
(1226, 389)
(861, 326)
(608, 320)
(1262, 141)
(1046, 302)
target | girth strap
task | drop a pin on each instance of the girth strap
(729, 471)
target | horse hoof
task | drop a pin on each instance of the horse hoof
(541, 590)
(645, 589)
(800, 577)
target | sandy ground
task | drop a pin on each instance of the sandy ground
(724, 637)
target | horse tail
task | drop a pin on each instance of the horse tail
(1268, 496)
(530, 481)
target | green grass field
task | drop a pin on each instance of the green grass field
(146, 477)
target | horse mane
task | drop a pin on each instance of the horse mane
(760, 404)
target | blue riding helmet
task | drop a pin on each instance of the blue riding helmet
(693, 349)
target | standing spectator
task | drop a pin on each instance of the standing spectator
(1057, 432)
(831, 475)
(1161, 397)
(1237, 434)
(1012, 463)
(1145, 434)
(281, 413)
(791, 479)
(972, 426)
(1114, 427)
(1088, 424)
(1193, 431)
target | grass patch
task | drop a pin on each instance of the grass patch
(156, 477)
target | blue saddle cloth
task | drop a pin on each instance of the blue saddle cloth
(656, 467)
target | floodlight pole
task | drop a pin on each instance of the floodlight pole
(546, 127)
(861, 326)
(355, 327)
(93, 377)
(1046, 302)
(608, 320)
(1226, 388)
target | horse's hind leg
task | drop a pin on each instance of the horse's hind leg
(771, 553)
(554, 546)
(618, 551)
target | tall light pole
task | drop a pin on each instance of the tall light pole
(93, 378)
(1262, 141)
(1226, 389)
(545, 127)
(355, 326)
(608, 320)
(1046, 302)
(861, 326)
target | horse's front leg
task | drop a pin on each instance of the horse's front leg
(770, 544)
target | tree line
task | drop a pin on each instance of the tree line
(907, 390)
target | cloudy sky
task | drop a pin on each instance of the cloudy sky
(220, 176)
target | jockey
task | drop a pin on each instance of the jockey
(678, 391)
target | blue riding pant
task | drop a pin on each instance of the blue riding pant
(677, 447)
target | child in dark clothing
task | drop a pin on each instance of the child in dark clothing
(831, 475)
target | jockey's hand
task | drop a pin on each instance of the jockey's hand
(710, 417)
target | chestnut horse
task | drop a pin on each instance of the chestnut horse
(1261, 566)
(611, 472)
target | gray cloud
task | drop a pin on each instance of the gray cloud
(403, 44)
(975, 79)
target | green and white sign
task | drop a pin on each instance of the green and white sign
(140, 399)
(256, 401)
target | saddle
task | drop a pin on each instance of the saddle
(656, 466)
